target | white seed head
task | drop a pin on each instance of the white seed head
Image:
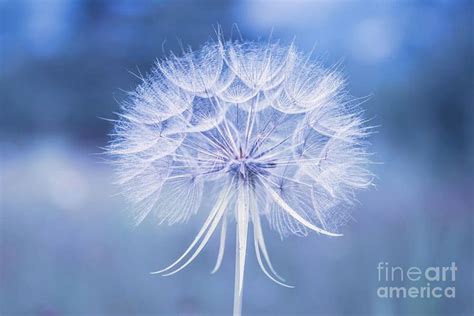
(275, 133)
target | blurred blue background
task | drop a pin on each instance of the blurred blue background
(68, 247)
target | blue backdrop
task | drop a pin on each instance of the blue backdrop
(67, 244)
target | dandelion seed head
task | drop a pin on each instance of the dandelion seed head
(274, 132)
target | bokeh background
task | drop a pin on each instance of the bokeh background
(67, 246)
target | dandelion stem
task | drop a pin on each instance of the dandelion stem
(241, 245)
